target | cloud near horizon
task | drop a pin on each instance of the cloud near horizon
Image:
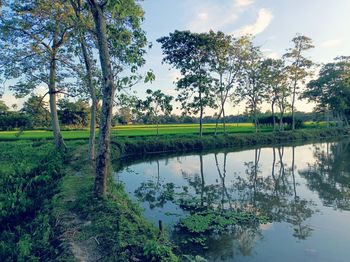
(331, 43)
(211, 16)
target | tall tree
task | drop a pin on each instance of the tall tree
(189, 53)
(226, 60)
(32, 37)
(120, 43)
(331, 90)
(83, 25)
(251, 87)
(298, 69)
(157, 103)
(275, 80)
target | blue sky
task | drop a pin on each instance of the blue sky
(273, 22)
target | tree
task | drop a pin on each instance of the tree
(12, 120)
(33, 35)
(83, 24)
(331, 90)
(251, 87)
(120, 44)
(73, 113)
(226, 60)
(3, 107)
(124, 115)
(298, 69)
(36, 109)
(189, 52)
(157, 103)
(275, 80)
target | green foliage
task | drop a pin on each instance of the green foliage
(29, 42)
(3, 107)
(331, 90)
(36, 109)
(156, 103)
(217, 221)
(154, 251)
(73, 113)
(189, 53)
(29, 173)
(14, 120)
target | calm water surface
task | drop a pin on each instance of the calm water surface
(304, 190)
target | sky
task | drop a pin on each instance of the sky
(273, 23)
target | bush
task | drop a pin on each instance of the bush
(14, 120)
(28, 178)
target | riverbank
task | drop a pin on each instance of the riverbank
(77, 226)
(133, 147)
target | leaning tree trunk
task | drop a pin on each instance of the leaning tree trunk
(92, 91)
(89, 78)
(59, 143)
(108, 92)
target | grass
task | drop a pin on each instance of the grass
(29, 173)
(112, 229)
(143, 130)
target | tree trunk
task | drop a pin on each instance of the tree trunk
(223, 118)
(59, 143)
(217, 122)
(293, 106)
(92, 135)
(201, 122)
(108, 92)
(255, 120)
(88, 67)
(273, 115)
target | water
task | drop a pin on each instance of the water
(304, 190)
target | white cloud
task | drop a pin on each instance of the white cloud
(243, 3)
(262, 22)
(216, 16)
(331, 43)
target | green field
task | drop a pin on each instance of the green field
(143, 130)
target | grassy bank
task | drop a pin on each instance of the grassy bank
(125, 147)
(143, 130)
(29, 173)
(48, 212)
(112, 229)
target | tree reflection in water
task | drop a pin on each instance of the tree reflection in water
(329, 175)
(255, 191)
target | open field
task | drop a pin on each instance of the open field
(144, 130)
